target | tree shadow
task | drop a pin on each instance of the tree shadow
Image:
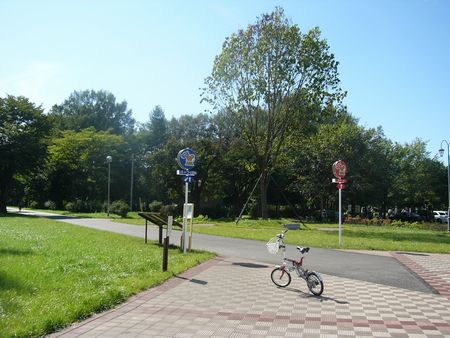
(14, 252)
(9, 283)
(250, 265)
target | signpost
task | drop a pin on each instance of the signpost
(187, 159)
(339, 169)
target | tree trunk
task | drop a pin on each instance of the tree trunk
(2, 201)
(263, 185)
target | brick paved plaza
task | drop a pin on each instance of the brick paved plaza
(235, 298)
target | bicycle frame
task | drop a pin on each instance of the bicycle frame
(294, 264)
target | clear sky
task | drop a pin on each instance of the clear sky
(394, 55)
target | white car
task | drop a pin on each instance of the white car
(440, 216)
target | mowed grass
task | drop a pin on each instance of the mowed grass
(358, 237)
(53, 273)
(354, 236)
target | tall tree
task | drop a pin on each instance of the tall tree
(263, 77)
(23, 134)
(90, 108)
(77, 167)
(153, 134)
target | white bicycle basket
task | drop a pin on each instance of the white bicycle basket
(273, 245)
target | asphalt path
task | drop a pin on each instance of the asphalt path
(366, 267)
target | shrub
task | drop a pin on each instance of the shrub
(155, 206)
(120, 208)
(50, 205)
(34, 205)
(201, 218)
(70, 206)
(168, 210)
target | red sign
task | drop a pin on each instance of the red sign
(342, 180)
(339, 169)
(341, 186)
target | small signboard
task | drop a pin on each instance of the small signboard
(186, 173)
(189, 210)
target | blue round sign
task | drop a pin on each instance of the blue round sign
(187, 158)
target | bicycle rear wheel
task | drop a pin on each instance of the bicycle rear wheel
(315, 284)
(280, 277)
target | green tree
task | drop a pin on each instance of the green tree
(90, 108)
(23, 135)
(77, 167)
(417, 178)
(264, 76)
(154, 133)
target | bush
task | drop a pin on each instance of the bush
(50, 205)
(201, 218)
(70, 206)
(168, 210)
(34, 205)
(120, 208)
(155, 206)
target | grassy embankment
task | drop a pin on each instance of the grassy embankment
(53, 274)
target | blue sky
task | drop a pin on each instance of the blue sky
(394, 55)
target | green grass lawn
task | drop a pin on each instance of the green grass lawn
(357, 237)
(53, 273)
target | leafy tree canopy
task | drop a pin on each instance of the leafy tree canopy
(23, 135)
(98, 109)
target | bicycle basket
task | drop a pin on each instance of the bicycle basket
(273, 246)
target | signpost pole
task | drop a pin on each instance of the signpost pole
(339, 169)
(186, 159)
(185, 216)
(340, 217)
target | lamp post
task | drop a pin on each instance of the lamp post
(109, 160)
(441, 152)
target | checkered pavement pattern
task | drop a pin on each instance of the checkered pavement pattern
(229, 298)
(434, 269)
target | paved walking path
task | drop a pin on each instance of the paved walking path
(379, 269)
(233, 297)
(229, 298)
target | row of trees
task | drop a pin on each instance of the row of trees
(277, 116)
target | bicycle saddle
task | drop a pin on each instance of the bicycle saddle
(302, 250)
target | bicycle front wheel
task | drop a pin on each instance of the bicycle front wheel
(280, 277)
(315, 284)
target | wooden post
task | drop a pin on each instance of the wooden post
(165, 253)
(146, 231)
(166, 243)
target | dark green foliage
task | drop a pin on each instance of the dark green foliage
(89, 108)
(50, 205)
(119, 207)
(155, 206)
(23, 141)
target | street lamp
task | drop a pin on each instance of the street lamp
(109, 160)
(441, 152)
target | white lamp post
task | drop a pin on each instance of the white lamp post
(441, 152)
(109, 160)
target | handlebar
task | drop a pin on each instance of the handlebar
(281, 236)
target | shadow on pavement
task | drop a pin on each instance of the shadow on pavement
(319, 298)
(250, 265)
